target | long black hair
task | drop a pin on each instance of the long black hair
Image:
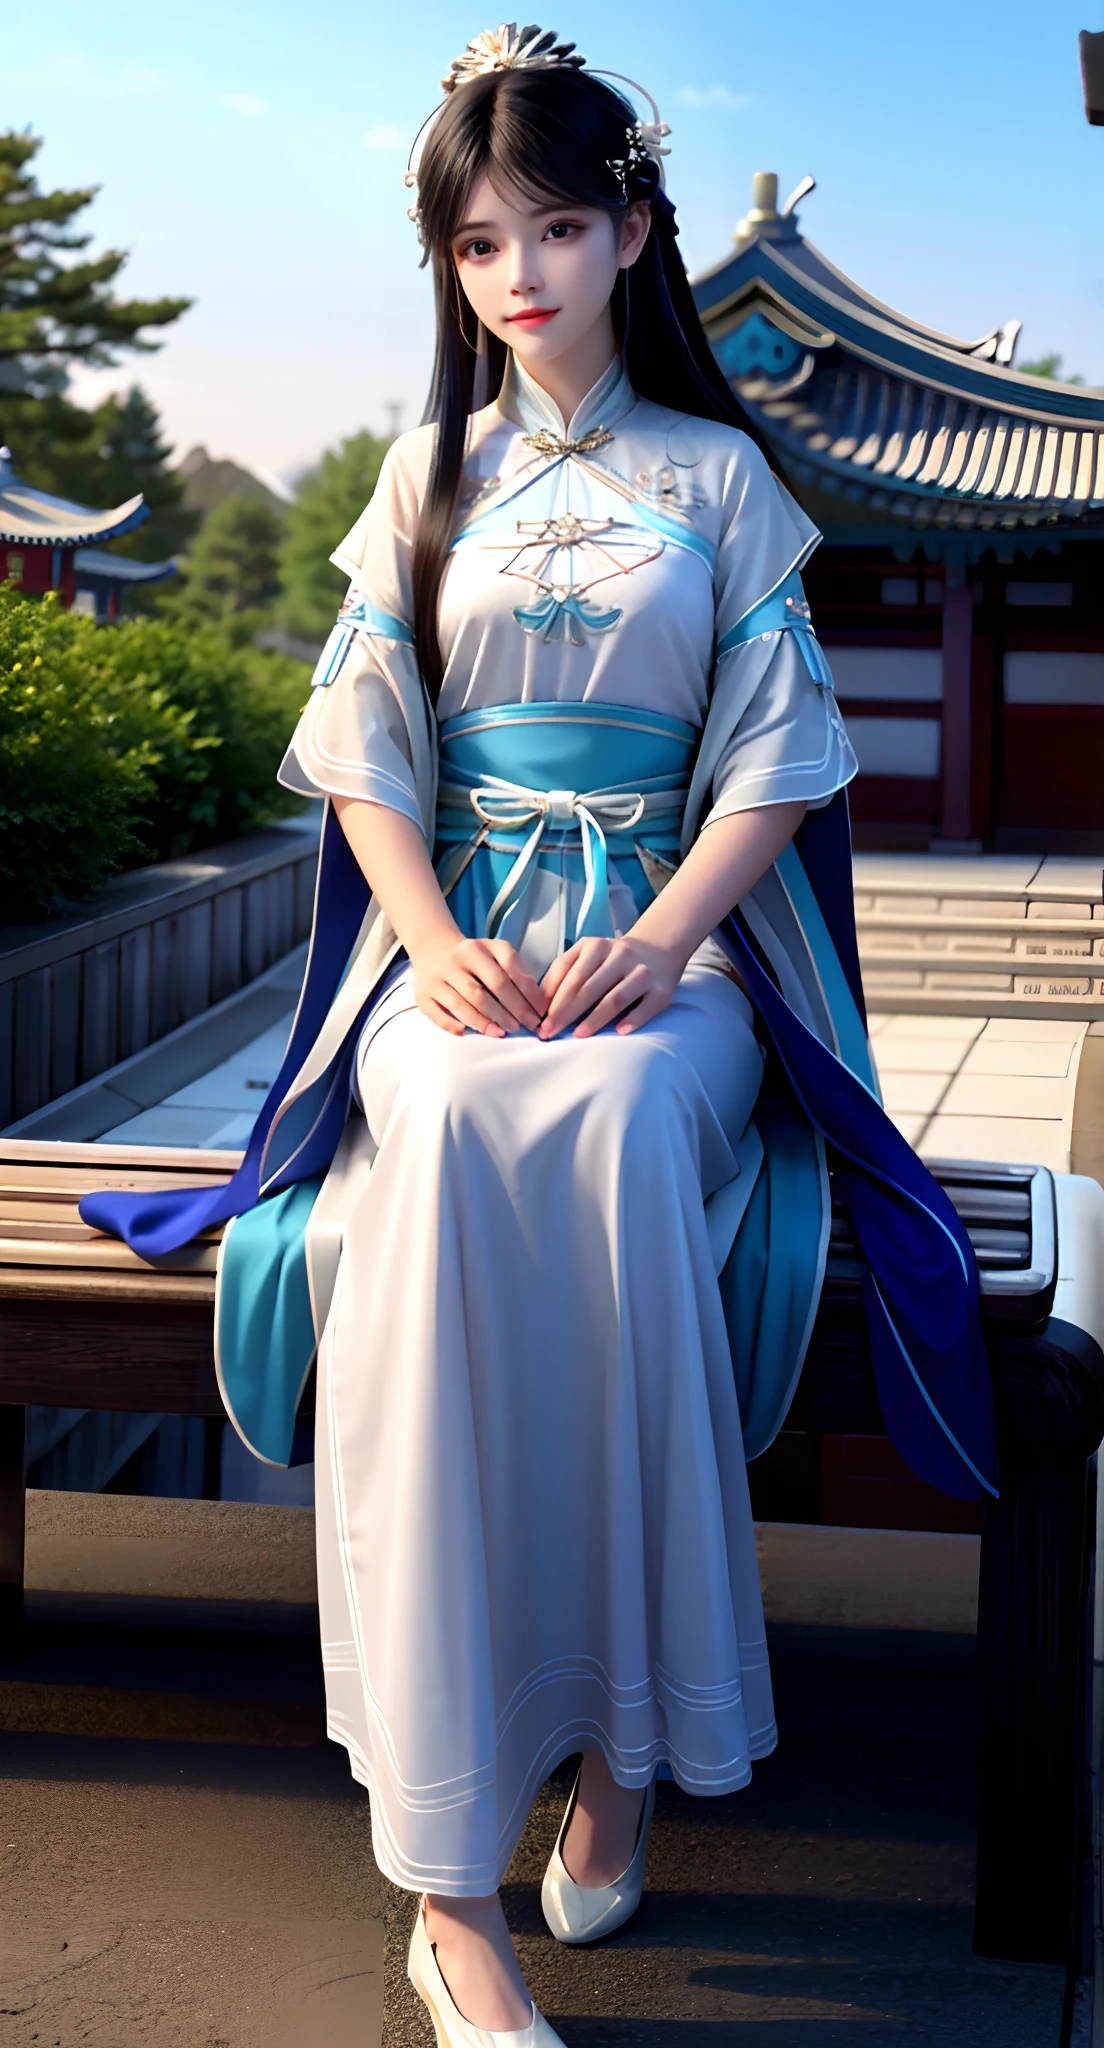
(553, 135)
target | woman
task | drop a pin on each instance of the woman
(571, 714)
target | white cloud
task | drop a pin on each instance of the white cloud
(247, 104)
(715, 96)
(385, 136)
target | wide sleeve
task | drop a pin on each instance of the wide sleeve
(362, 733)
(773, 732)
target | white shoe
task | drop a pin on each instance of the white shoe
(453, 2030)
(576, 1912)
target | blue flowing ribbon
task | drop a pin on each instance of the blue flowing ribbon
(921, 1289)
(156, 1224)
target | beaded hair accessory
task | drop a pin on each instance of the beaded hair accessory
(508, 48)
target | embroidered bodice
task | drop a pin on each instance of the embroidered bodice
(632, 556)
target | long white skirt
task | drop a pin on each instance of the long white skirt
(534, 1532)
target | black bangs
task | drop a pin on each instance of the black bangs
(554, 136)
(551, 135)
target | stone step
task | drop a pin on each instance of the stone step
(981, 936)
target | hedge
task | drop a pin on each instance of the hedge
(131, 743)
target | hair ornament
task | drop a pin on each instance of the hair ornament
(508, 48)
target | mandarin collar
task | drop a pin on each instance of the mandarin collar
(607, 401)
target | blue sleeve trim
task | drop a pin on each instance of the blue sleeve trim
(332, 656)
(368, 618)
(357, 615)
(785, 610)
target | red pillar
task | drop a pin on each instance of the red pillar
(958, 648)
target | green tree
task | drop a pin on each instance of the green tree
(121, 452)
(58, 307)
(1050, 366)
(328, 502)
(233, 570)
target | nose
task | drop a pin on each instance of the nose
(526, 274)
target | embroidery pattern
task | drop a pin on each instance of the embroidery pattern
(545, 442)
(562, 609)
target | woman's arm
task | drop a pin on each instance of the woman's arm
(598, 979)
(458, 982)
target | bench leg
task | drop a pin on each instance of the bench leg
(13, 1501)
(1035, 1663)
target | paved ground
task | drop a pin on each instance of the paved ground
(197, 1895)
(830, 1903)
(183, 1894)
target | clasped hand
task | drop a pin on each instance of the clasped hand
(481, 985)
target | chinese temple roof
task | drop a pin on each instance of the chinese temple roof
(32, 518)
(94, 568)
(894, 421)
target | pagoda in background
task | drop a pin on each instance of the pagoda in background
(958, 589)
(49, 543)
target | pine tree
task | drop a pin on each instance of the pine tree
(58, 307)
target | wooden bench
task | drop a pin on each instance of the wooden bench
(84, 1324)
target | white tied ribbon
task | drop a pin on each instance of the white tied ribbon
(507, 806)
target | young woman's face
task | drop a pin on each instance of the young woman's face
(541, 278)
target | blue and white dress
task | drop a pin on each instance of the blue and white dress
(534, 1533)
(559, 1292)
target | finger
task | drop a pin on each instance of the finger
(505, 989)
(470, 1016)
(440, 1017)
(579, 993)
(561, 966)
(649, 1006)
(480, 999)
(631, 990)
(509, 959)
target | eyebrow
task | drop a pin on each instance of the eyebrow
(469, 227)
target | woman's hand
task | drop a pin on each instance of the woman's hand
(459, 984)
(474, 984)
(598, 980)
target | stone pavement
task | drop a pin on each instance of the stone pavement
(183, 1894)
(217, 1890)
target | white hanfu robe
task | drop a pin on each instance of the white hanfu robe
(534, 1531)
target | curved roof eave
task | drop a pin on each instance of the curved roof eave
(99, 567)
(864, 327)
(30, 518)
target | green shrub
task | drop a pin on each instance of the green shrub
(133, 743)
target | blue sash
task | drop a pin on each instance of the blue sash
(555, 784)
(559, 786)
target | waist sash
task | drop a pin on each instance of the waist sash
(540, 780)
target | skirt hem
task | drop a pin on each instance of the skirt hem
(445, 1883)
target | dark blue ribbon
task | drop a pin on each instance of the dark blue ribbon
(153, 1225)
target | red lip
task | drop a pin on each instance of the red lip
(536, 318)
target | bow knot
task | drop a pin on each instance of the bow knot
(507, 806)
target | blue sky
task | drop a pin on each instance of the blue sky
(252, 156)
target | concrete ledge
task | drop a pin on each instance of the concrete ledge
(128, 1546)
(868, 1578)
